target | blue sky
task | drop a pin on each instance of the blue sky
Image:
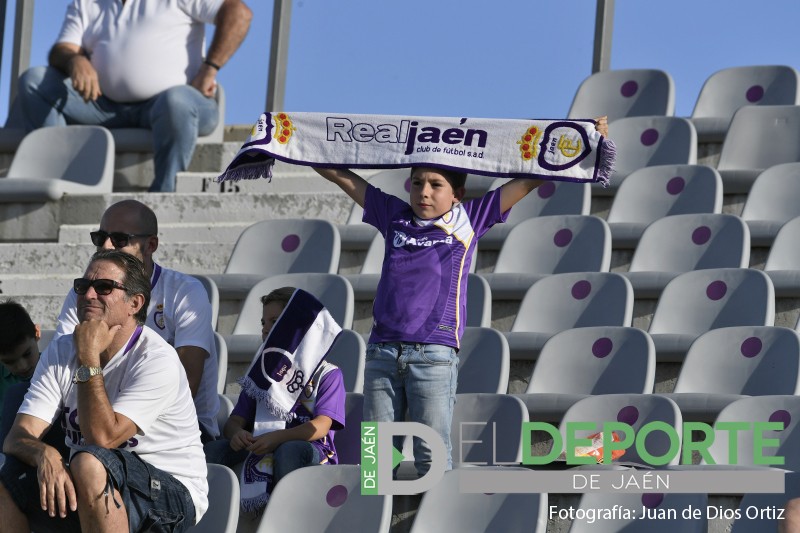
(505, 59)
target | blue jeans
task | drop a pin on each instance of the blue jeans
(288, 457)
(175, 116)
(415, 382)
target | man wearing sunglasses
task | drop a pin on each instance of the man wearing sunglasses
(179, 308)
(136, 461)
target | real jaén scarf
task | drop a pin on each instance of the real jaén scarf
(561, 150)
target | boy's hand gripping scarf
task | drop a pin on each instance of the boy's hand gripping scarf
(561, 150)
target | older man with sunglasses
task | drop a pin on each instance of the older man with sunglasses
(179, 308)
(118, 388)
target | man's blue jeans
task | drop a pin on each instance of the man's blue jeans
(417, 380)
(176, 117)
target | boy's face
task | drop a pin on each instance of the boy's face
(431, 194)
(269, 316)
(21, 360)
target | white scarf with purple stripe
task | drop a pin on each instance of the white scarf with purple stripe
(297, 344)
(561, 150)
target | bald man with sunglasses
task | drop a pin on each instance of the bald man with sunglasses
(179, 308)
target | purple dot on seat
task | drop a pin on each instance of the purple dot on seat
(649, 137)
(781, 416)
(629, 88)
(751, 347)
(754, 94)
(701, 235)
(290, 243)
(676, 185)
(336, 496)
(581, 289)
(716, 290)
(546, 189)
(651, 500)
(562, 237)
(602, 347)
(628, 415)
(407, 185)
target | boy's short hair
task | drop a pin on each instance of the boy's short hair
(16, 325)
(454, 178)
(280, 296)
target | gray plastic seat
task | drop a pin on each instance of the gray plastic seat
(636, 410)
(649, 141)
(725, 364)
(222, 361)
(624, 93)
(564, 301)
(51, 162)
(225, 410)
(759, 137)
(680, 243)
(331, 501)
(671, 503)
(783, 261)
(445, 508)
(580, 362)
(349, 354)
(222, 515)
(213, 296)
(348, 440)
(548, 199)
(775, 408)
(758, 501)
(701, 300)
(278, 246)
(479, 302)
(332, 290)
(772, 202)
(726, 90)
(650, 193)
(483, 361)
(541, 246)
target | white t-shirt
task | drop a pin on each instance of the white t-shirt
(180, 312)
(140, 48)
(144, 382)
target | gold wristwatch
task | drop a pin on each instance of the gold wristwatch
(83, 373)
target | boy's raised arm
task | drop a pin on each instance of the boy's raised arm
(515, 190)
(354, 185)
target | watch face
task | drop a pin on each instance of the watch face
(83, 373)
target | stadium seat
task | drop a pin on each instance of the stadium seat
(222, 361)
(358, 235)
(213, 296)
(325, 498)
(52, 162)
(726, 90)
(636, 410)
(748, 523)
(563, 301)
(348, 440)
(349, 354)
(775, 408)
(222, 515)
(650, 193)
(725, 364)
(649, 141)
(483, 361)
(758, 138)
(680, 243)
(783, 261)
(624, 93)
(773, 201)
(541, 246)
(549, 198)
(701, 300)
(332, 290)
(580, 362)
(225, 409)
(479, 302)
(669, 504)
(445, 507)
(278, 246)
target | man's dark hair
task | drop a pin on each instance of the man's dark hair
(16, 325)
(136, 280)
(280, 296)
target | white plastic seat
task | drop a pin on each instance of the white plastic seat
(541, 246)
(759, 137)
(726, 90)
(580, 362)
(765, 521)
(783, 261)
(564, 301)
(222, 362)
(624, 93)
(701, 300)
(222, 515)
(349, 354)
(51, 162)
(650, 193)
(773, 200)
(483, 361)
(213, 296)
(348, 440)
(679, 243)
(225, 409)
